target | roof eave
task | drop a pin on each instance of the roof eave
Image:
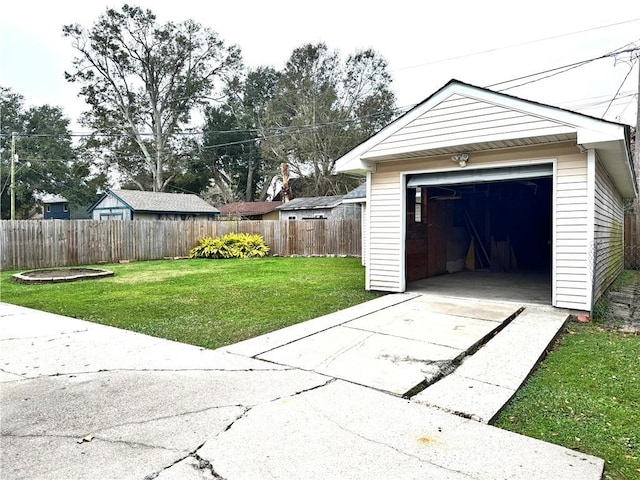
(617, 160)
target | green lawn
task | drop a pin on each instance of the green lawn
(586, 396)
(210, 303)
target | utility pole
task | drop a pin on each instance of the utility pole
(13, 176)
(637, 152)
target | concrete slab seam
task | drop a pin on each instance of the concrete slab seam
(23, 377)
(332, 326)
(456, 362)
(94, 439)
(165, 417)
(116, 370)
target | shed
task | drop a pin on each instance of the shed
(141, 205)
(319, 208)
(359, 196)
(250, 211)
(472, 179)
(55, 207)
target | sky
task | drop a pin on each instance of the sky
(425, 43)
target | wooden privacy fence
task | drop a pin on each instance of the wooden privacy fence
(29, 244)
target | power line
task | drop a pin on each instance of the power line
(294, 129)
(492, 50)
(559, 70)
(619, 88)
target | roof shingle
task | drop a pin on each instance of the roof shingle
(164, 202)
(310, 203)
(248, 208)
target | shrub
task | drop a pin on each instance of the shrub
(232, 245)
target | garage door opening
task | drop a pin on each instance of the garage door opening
(490, 229)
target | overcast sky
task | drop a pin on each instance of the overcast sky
(425, 43)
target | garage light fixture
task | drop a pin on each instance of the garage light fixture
(461, 159)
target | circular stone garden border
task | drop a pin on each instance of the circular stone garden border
(60, 275)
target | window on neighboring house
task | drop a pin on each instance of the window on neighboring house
(48, 208)
(65, 207)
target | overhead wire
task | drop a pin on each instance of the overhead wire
(530, 42)
(292, 129)
(619, 88)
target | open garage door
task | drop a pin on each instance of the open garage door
(490, 220)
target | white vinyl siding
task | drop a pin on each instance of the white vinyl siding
(572, 289)
(572, 238)
(385, 233)
(608, 220)
(459, 121)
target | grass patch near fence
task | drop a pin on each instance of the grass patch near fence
(209, 303)
(585, 396)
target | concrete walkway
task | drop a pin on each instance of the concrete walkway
(81, 400)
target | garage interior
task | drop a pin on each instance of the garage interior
(481, 234)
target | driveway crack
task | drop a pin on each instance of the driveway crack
(392, 447)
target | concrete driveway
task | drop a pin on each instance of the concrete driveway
(399, 387)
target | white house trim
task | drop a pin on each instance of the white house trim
(591, 216)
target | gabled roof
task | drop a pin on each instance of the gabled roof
(312, 203)
(464, 118)
(249, 208)
(358, 194)
(159, 202)
(51, 198)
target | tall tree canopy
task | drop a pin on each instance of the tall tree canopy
(143, 80)
(48, 161)
(231, 148)
(322, 107)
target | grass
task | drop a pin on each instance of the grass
(586, 396)
(209, 303)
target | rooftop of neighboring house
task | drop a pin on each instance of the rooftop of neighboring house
(142, 201)
(357, 194)
(311, 203)
(248, 208)
(50, 198)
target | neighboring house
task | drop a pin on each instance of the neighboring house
(139, 205)
(472, 178)
(55, 207)
(319, 208)
(250, 211)
(359, 196)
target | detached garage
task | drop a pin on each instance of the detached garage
(478, 181)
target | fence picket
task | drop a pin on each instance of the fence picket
(30, 244)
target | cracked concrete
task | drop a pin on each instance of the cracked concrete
(168, 412)
(397, 349)
(81, 400)
(348, 431)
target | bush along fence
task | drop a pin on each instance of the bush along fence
(27, 244)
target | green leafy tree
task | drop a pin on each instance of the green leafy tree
(232, 134)
(142, 81)
(324, 106)
(48, 161)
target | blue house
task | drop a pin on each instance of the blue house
(55, 207)
(140, 205)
